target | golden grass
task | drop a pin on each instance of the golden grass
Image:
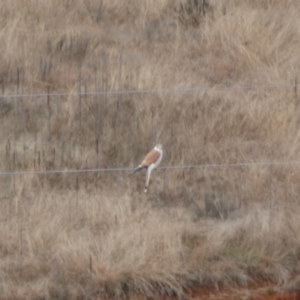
(68, 245)
(66, 236)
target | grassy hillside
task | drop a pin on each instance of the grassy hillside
(95, 84)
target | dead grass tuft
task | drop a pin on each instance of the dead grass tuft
(113, 245)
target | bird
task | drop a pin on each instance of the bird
(150, 162)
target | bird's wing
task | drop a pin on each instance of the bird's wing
(139, 168)
(150, 158)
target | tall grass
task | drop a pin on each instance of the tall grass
(67, 245)
(96, 235)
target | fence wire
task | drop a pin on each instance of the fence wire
(150, 91)
(178, 167)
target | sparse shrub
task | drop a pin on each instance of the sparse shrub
(191, 12)
(5, 107)
(72, 46)
(95, 9)
(216, 207)
(45, 67)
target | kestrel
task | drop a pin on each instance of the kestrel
(150, 162)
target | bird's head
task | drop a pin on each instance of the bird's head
(159, 147)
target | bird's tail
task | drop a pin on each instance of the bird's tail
(139, 168)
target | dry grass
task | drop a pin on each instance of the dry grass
(95, 235)
(80, 244)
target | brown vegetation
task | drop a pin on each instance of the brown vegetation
(95, 234)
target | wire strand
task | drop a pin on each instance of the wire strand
(150, 91)
(205, 166)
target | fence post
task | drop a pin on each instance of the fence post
(271, 174)
(79, 96)
(20, 232)
(49, 113)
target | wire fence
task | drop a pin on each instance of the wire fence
(153, 91)
(51, 137)
(177, 167)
